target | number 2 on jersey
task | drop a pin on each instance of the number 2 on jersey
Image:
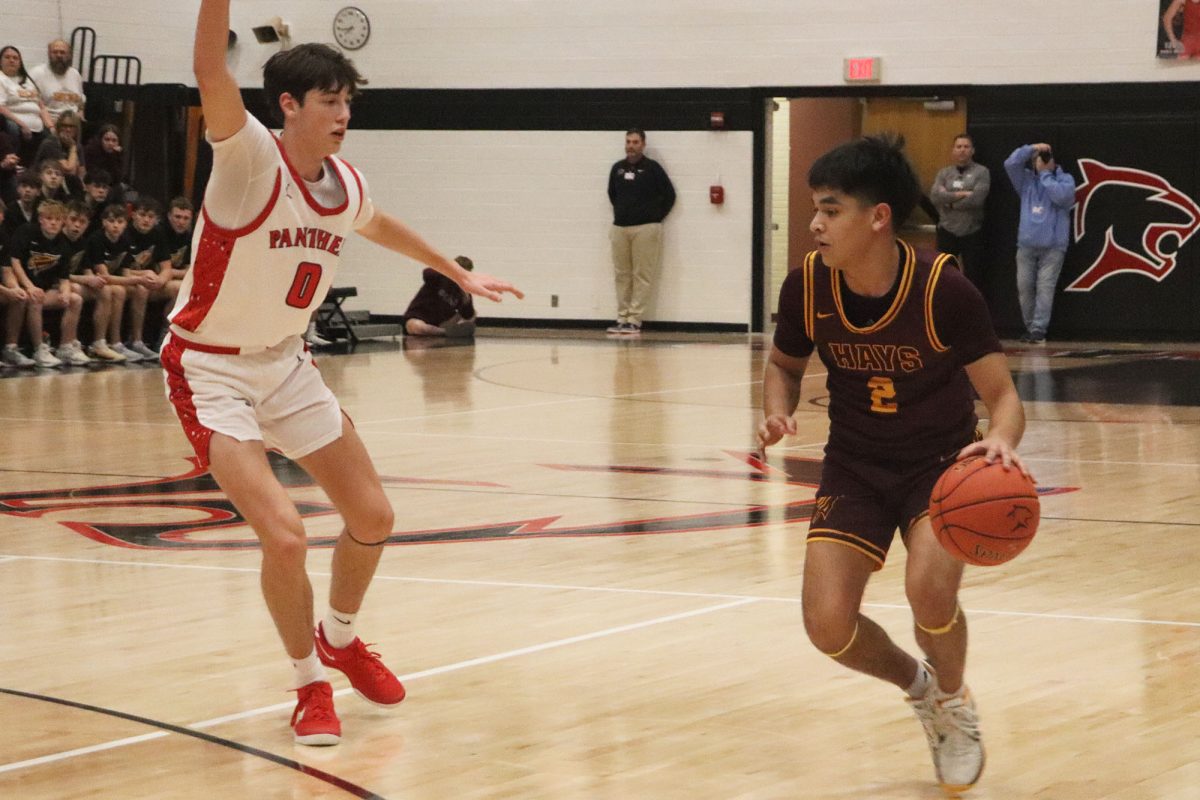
(883, 392)
(304, 285)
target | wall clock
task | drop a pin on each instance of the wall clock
(351, 28)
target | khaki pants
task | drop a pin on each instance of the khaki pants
(636, 255)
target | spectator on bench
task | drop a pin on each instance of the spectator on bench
(59, 83)
(61, 146)
(148, 261)
(20, 104)
(439, 307)
(51, 175)
(94, 288)
(10, 164)
(103, 152)
(24, 211)
(107, 253)
(13, 298)
(38, 256)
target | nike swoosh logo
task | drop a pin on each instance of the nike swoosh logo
(339, 619)
(824, 316)
(322, 651)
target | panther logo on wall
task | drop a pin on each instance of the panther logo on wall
(1175, 219)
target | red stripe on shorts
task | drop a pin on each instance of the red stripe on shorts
(180, 394)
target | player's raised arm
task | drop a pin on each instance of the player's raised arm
(224, 112)
(387, 231)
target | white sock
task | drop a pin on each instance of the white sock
(920, 684)
(309, 669)
(962, 688)
(338, 627)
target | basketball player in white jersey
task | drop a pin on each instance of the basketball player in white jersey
(266, 247)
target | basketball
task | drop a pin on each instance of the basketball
(982, 513)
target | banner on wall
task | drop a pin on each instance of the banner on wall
(1179, 29)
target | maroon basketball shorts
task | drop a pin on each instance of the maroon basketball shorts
(862, 504)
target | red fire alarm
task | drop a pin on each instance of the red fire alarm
(716, 120)
(716, 194)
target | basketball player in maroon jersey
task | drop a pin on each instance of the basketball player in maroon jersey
(267, 244)
(903, 342)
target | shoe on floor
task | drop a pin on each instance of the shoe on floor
(100, 350)
(44, 358)
(73, 354)
(315, 722)
(15, 358)
(951, 727)
(373, 682)
(617, 327)
(142, 350)
(129, 355)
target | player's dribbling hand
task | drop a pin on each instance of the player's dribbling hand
(489, 287)
(774, 428)
(992, 448)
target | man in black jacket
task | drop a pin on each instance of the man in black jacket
(642, 196)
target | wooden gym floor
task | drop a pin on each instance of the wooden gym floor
(592, 593)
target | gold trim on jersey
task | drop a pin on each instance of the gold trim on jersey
(810, 262)
(907, 271)
(934, 274)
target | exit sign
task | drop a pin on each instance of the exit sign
(862, 69)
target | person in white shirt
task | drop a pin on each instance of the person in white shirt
(267, 243)
(59, 83)
(20, 105)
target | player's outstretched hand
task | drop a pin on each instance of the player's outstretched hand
(489, 287)
(774, 428)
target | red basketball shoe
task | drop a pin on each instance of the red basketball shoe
(314, 721)
(372, 681)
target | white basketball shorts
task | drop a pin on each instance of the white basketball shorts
(275, 396)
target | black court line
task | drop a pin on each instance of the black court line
(333, 780)
(78, 472)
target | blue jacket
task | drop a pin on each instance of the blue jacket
(1046, 201)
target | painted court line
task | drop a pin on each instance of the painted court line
(428, 673)
(81, 751)
(621, 590)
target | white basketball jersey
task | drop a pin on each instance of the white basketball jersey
(255, 286)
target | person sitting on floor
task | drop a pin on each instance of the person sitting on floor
(440, 308)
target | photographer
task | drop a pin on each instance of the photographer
(1047, 195)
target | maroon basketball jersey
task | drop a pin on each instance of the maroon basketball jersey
(897, 388)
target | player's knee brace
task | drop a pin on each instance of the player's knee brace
(848, 645)
(949, 626)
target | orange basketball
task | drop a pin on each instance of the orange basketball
(982, 513)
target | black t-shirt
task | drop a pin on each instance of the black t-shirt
(146, 250)
(75, 252)
(177, 247)
(43, 258)
(99, 249)
(439, 299)
(15, 218)
(897, 388)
